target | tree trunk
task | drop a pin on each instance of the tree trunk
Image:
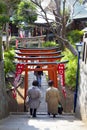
(58, 5)
(63, 20)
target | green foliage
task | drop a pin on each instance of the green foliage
(3, 14)
(71, 67)
(49, 44)
(74, 36)
(2, 7)
(8, 61)
(13, 41)
(3, 19)
(25, 13)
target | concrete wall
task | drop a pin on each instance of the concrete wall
(81, 108)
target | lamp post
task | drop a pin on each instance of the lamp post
(79, 49)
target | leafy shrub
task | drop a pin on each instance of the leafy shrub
(70, 73)
(71, 67)
(74, 36)
(8, 61)
(49, 44)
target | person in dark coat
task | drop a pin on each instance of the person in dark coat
(34, 95)
(38, 75)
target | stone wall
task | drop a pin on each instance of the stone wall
(3, 96)
(81, 107)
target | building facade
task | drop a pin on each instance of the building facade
(81, 107)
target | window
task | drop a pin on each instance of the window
(84, 52)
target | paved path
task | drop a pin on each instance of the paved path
(44, 85)
(42, 122)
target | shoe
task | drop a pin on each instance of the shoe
(54, 116)
(34, 116)
(48, 113)
(30, 116)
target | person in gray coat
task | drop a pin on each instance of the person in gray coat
(34, 95)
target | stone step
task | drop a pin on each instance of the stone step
(39, 113)
(27, 113)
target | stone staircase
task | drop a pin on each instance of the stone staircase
(43, 106)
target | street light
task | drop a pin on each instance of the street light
(79, 49)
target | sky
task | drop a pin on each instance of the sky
(79, 10)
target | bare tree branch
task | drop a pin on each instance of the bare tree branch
(58, 26)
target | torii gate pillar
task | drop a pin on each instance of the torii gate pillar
(26, 85)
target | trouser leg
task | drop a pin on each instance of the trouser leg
(54, 115)
(34, 113)
(39, 81)
(31, 111)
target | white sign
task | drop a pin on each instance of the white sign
(4, 38)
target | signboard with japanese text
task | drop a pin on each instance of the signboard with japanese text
(61, 72)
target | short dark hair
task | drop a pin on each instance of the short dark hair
(50, 82)
(35, 83)
(38, 66)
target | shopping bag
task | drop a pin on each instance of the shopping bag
(60, 108)
(27, 100)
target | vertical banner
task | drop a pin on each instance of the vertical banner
(19, 70)
(61, 72)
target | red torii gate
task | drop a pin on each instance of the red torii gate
(48, 55)
(38, 50)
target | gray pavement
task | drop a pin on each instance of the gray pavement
(23, 121)
(42, 122)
